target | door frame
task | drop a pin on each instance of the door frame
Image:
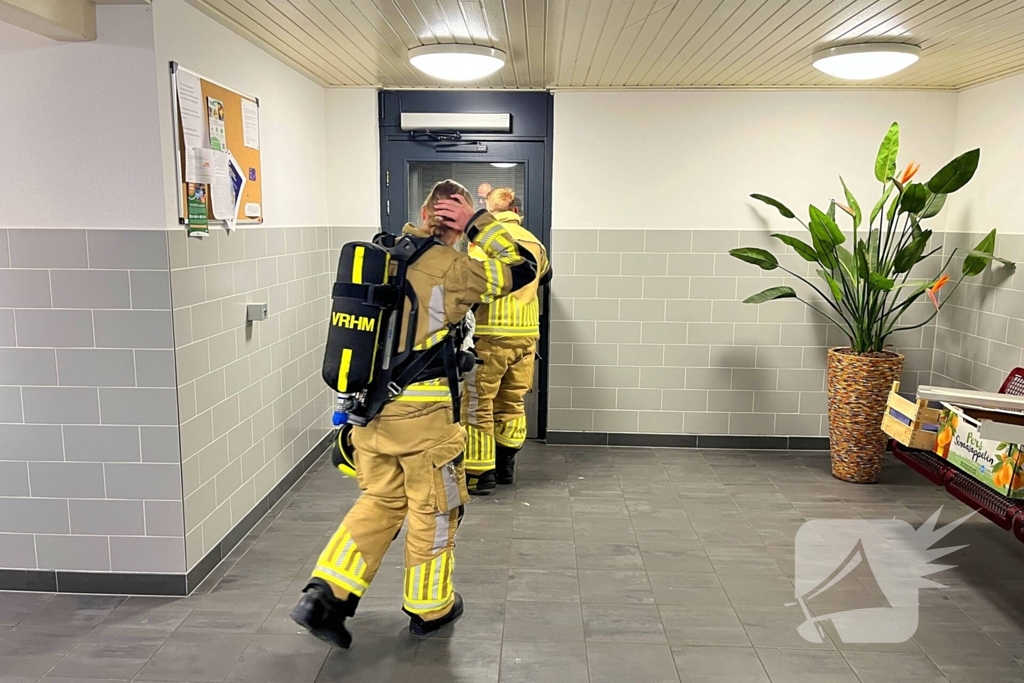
(532, 116)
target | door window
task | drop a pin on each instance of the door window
(477, 176)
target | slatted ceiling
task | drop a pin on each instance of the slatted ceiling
(634, 43)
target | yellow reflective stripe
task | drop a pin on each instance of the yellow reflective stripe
(494, 279)
(346, 363)
(342, 564)
(353, 586)
(428, 586)
(479, 450)
(432, 340)
(507, 331)
(484, 238)
(430, 391)
(357, 266)
(511, 433)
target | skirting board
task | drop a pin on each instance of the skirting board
(708, 441)
(117, 583)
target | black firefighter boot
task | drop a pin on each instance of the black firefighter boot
(505, 457)
(323, 615)
(419, 627)
(481, 484)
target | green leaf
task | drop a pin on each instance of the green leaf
(885, 162)
(786, 213)
(832, 211)
(979, 258)
(835, 235)
(805, 250)
(874, 240)
(956, 173)
(914, 198)
(759, 257)
(934, 205)
(771, 294)
(837, 291)
(862, 260)
(826, 251)
(848, 262)
(909, 255)
(893, 205)
(880, 203)
(879, 281)
(852, 202)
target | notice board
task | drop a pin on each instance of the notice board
(217, 152)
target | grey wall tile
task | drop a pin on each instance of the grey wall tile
(706, 423)
(63, 405)
(733, 356)
(640, 354)
(619, 241)
(14, 479)
(618, 332)
(54, 328)
(146, 481)
(708, 378)
(688, 356)
(101, 443)
(668, 241)
(138, 554)
(572, 331)
(107, 517)
(31, 442)
(154, 368)
(663, 333)
(66, 480)
(18, 551)
(245, 276)
(80, 553)
(688, 310)
(41, 248)
(714, 241)
(193, 361)
(598, 264)
(28, 367)
(150, 289)
(134, 329)
(605, 376)
(143, 406)
(685, 400)
(255, 242)
(802, 380)
(34, 515)
(90, 288)
(713, 288)
(5, 254)
(128, 249)
(572, 420)
(593, 398)
(24, 288)
(730, 401)
(160, 444)
(10, 405)
(666, 287)
(232, 247)
(733, 312)
(760, 379)
(596, 309)
(690, 264)
(617, 286)
(776, 401)
(779, 357)
(164, 518)
(210, 390)
(644, 264)
(642, 310)
(96, 367)
(710, 333)
(7, 336)
(188, 287)
(797, 425)
(663, 378)
(204, 252)
(219, 283)
(661, 422)
(754, 334)
(754, 424)
(639, 399)
(223, 349)
(207, 319)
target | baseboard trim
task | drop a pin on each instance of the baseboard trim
(708, 441)
(118, 583)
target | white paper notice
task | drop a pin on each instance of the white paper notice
(200, 170)
(220, 192)
(250, 124)
(252, 210)
(190, 107)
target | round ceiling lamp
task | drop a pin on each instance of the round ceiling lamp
(457, 63)
(865, 61)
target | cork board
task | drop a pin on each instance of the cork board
(247, 158)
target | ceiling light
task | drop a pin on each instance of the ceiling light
(865, 60)
(457, 62)
(502, 164)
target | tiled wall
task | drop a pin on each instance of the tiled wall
(251, 399)
(90, 477)
(981, 330)
(649, 335)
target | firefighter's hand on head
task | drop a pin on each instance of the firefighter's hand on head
(455, 211)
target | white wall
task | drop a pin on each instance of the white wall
(78, 127)
(689, 159)
(292, 130)
(989, 117)
(353, 170)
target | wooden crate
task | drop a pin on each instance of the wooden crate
(911, 423)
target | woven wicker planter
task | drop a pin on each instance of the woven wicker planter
(858, 386)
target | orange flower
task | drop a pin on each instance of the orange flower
(934, 289)
(845, 208)
(909, 172)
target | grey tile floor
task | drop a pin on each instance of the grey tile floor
(601, 566)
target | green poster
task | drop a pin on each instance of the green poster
(198, 221)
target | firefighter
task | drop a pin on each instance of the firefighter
(409, 458)
(507, 331)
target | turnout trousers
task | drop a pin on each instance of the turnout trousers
(409, 466)
(493, 404)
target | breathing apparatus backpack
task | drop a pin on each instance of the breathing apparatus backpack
(364, 359)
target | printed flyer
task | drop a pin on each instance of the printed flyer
(218, 140)
(198, 221)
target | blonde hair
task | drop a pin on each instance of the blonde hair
(501, 199)
(442, 190)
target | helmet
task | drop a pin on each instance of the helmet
(342, 452)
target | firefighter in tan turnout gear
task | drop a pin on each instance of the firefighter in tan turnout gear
(409, 457)
(507, 330)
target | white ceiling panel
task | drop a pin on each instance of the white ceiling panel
(634, 43)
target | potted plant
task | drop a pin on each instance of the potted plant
(866, 288)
